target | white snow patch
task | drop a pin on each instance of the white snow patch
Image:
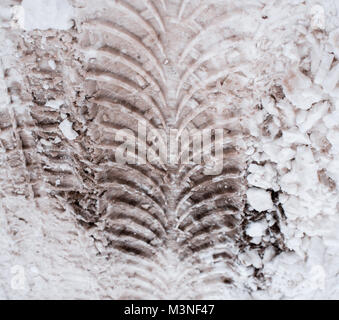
(47, 14)
(299, 90)
(67, 130)
(262, 177)
(317, 17)
(334, 41)
(18, 17)
(52, 64)
(257, 229)
(259, 199)
(54, 104)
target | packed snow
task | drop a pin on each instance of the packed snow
(293, 147)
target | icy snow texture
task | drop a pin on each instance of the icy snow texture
(293, 151)
(303, 159)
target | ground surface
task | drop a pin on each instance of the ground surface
(75, 223)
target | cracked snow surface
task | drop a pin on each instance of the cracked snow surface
(75, 223)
